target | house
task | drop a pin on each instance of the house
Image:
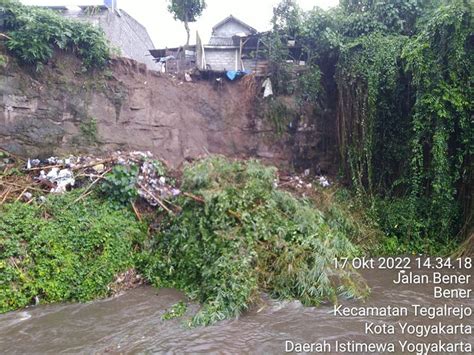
(223, 52)
(122, 30)
(233, 46)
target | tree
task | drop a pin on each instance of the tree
(186, 11)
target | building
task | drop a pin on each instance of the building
(225, 48)
(122, 30)
(234, 46)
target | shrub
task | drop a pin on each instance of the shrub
(247, 237)
(119, 184)
(65, 251)
(34, 33)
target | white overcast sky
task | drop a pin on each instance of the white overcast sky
(166, 32)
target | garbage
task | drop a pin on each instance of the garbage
(33, 162)
(267, 86)
(323, 181)
(99, 168)
(27, 196)
(61, 179)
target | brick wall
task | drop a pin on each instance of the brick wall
(221, 59)
(123, 31)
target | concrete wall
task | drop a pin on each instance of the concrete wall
(221, 59)
(123, 31)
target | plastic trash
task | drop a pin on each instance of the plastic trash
(323, 181)
(61, 178)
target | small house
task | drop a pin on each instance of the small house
(233, 46)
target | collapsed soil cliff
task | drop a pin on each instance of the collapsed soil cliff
(63, 110)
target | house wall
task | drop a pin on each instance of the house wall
(221, 59)
(229, 29)
(123, 31)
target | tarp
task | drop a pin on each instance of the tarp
(235, 74)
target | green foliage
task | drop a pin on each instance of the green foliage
(177, 310)
(403, 229)
(309, 85)
(186, 11)
(64, 251)
(404, 103)
(367, 77)
(286, 18)
(247, 236)
(3, 61)
(89, 129)
(279, 114)
(439, 59)
(387, 16)
(34, 33)
(120, 184)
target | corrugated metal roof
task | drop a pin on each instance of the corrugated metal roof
(221, 41)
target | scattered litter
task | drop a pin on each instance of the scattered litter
(187, 77)
(267, 85)
(60, 178)
(27, 196)
(323, 181)
(99, 168)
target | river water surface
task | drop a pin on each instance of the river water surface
(132, 322)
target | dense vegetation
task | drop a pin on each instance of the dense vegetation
(235, 235)
(33, 34)
(246, 236)
(403, 72)
(63, 251)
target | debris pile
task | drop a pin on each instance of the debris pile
(33, 179)
(153, 186)
(301, 183)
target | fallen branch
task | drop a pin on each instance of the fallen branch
(19, 196)
(139, 217)
(45, 167)
(194, 197)
(86, 191)
(30, 187)
(6, 194)
(156, 199)
(235, 214)
(89, 165)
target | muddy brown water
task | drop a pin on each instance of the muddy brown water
(131, 323)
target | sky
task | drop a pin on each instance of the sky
(166, 32)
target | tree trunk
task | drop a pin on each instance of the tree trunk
(186, 26)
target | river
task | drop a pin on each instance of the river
(132, 322)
